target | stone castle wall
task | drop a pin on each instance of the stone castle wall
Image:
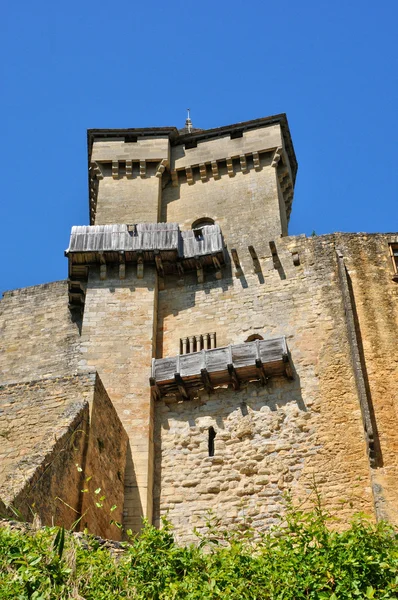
(60, 435)
(39, 335)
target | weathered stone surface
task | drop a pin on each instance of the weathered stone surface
(56, 433)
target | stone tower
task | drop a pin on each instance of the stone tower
(239, 362)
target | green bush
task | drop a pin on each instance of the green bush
(301, 559)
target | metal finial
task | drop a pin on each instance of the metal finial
(188, 122)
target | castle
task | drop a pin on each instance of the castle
(198, 357)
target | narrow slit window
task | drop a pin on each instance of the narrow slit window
(212, 436)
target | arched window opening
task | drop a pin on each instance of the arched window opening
(254, 336)
(197, 226)
(212, 435)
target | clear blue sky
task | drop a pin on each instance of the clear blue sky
(331, 66)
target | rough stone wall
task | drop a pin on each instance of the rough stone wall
(39, 337)
(56, 433)
(125, 200)
(117, 340)
(44, 428)
(104, 464)
(245, 206)
(309, 427)
(376, 305)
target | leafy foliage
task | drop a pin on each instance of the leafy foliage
(301, 559)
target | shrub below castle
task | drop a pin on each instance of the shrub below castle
(302, 559)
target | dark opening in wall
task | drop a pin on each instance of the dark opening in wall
(212, 435)
(254, 336)
(128, 139)
(191, 144)
(236, 134)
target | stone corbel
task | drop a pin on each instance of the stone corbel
(214, 168)
(277, 156)
(256, 161)
(115, 169)
(243, 163)
(230, 167)
(142, 169)
(174, 178)
(129, 169)
(96, 170)
(203, 172)
(161, 168)
(189, 174)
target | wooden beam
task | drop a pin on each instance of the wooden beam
(204, 374)
(155, 390)
(261, 372)
(181, 386)
(275, 257)
(122, 266)
(140, 266)
(288, 367)
(199, 270)
(256, 262)
(159, 263)
(234, 377)
(235, 258)
(217, 266)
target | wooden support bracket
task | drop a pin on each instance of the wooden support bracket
(217, 266)
(155, 390)
(261, 372)
(181, 386)
(159, 263)
(234, 377)
(275, 257)
(122, 266)
(235, 258)
(204, 374)
(102, 266)
(140, 266)
(288, 367)
(256, 262)
(199, 270)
